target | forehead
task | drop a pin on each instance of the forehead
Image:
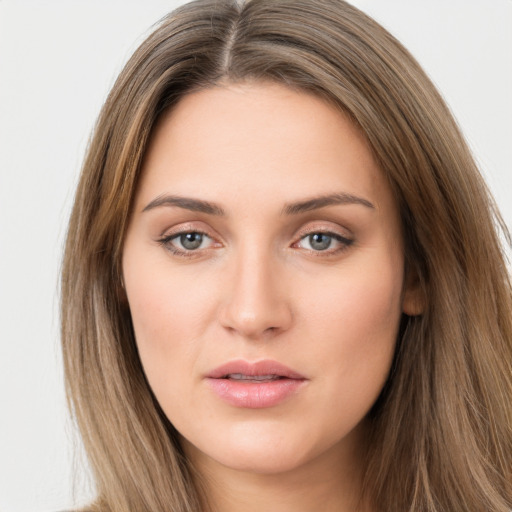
(261, 140)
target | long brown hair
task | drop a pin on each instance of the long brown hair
(441, 431)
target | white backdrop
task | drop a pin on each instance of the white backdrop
(58, 59)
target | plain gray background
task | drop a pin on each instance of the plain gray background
(58, 60)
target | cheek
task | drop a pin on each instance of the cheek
(357, 304)
(354, 325)
(169, 316)
(164, 309)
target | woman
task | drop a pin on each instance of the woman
(283, 283)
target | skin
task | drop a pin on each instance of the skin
(257, 289)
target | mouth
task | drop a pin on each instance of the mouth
(258, 371)
(255, 385)
(253, 378)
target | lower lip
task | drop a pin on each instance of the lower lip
(255, 395)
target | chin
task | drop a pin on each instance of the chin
(264, 461)
(258, 449)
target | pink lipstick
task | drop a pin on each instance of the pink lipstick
(255, 385)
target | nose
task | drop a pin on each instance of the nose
(255, 304)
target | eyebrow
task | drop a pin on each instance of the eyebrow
(340, 198)
(187, 203)
(199, 205)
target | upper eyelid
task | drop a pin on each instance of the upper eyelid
(343, 233)
(182, 228)
(332, 234)
(300, 233)
(172, 236)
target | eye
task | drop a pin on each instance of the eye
(191, 241)
(324, 241)
(186, 242)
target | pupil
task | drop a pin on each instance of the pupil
(191, 240)
(320, 241)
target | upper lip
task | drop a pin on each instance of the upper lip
(252, 369)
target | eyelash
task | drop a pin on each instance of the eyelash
(166, 242)
(345, 243)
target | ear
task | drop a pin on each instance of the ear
(413, 297)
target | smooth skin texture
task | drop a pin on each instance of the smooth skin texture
(318, 287)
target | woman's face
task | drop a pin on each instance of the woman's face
(263, 266)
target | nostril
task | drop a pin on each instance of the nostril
(254, 310)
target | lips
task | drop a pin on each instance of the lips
(265, 367)
(256, 385)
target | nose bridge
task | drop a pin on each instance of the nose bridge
(256, 303)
